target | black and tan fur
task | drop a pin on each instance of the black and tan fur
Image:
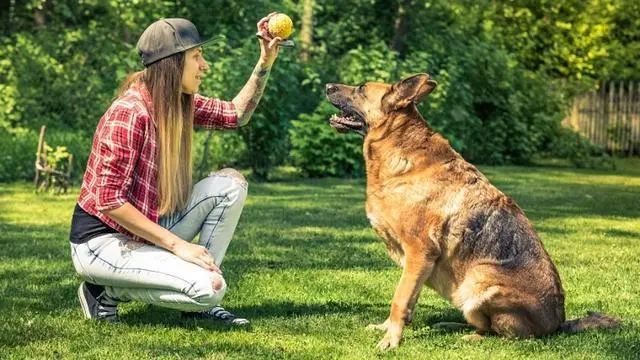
(446, 224)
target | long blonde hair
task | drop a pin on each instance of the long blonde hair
(173, 113)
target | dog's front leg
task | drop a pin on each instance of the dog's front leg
(417, 269)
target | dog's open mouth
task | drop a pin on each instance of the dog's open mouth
(348, 121)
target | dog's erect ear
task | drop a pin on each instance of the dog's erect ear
(411, 90)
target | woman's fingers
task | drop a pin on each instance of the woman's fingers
(263, 27)
(274, 41)
(201, 263)
(207, 263)
(215, 268)
(211, 265)
(262, 22)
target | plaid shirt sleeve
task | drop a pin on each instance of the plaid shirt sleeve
(118, 149)
(214, 113)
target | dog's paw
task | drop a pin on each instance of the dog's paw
(473, 337)
(389, 342)
(379, 327)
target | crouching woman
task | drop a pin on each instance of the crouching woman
(138, 212)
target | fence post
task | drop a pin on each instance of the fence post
(620, 118)
(635, 121)
(602, 106)
(629, 117)
(609, 116)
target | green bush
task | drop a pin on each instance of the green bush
(224, 149)
(492, 110)
(570, 145)
(17, 155)
(315, 146)
(319, 150)
(286, 96)
(18, 152)
(78, 144)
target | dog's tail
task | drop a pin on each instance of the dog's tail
(593, 320)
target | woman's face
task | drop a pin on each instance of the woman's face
(194, 67)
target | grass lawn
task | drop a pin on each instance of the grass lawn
(309, 272)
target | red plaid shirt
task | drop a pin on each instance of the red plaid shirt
(122, 166)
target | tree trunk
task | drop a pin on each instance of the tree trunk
(400, 27)
(8, 8)
(306, 33)
(39, 17)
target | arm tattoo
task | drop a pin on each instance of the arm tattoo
(248, 98)
(261, 73)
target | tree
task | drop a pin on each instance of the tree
(306, 32)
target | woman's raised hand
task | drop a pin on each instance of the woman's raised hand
(268, 45)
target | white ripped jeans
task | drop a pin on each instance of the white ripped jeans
(130, 270)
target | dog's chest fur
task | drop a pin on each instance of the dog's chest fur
(381, 225)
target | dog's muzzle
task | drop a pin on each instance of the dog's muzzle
(348, 119)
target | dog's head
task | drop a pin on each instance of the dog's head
(369, 105)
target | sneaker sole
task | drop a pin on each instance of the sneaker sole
(83, 303)
(240, 323)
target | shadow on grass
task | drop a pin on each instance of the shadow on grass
(570, 200)
(150, 315)
(621, 344)
(221, 349)
(608, 233)
(33, 242)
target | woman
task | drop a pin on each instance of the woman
(137, 212)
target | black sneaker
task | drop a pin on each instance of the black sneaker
(218, 313)
(96, 304)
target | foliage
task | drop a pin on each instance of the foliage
(225, 149)
(266, 135)
(623, 43)
(560, 38)
(17, 156)
(318, 151)
(315, 146)
(58, 159)
(507, 70)
(578, 150)
(18, 152)
(493, 110)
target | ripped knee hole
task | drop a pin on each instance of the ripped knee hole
(233, 173)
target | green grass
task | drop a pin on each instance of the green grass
(309, 272)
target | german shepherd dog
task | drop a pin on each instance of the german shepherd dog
(445, 224)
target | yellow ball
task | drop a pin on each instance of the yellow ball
(280, 25)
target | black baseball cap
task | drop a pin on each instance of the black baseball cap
(166, 37)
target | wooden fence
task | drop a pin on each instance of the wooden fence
(609, 117)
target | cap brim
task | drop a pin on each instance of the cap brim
(217, 37)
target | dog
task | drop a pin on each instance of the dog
(446, 225)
